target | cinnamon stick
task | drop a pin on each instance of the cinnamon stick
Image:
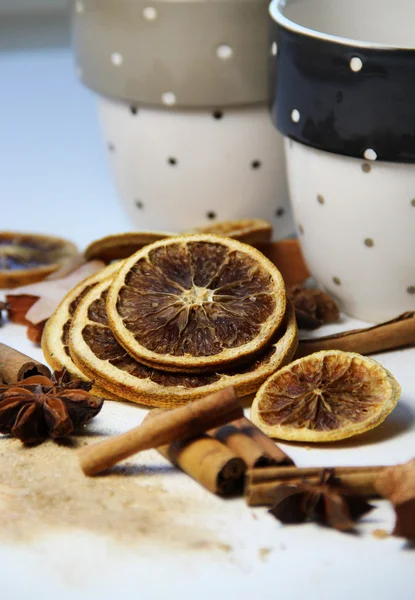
(251, 444)
(261, 488)
(397, 333)
(173, 426)
(287, 256)
(15, 366)
(206, 460)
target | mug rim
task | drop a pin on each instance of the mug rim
(276, 12)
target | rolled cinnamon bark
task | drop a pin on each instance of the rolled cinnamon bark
(208, 462)
(271, 474)
(251, 444)
(398, 333)
(287, 256)
(261, 488)
(15, 366)
(173, 426)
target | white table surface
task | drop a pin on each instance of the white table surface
(54, 180)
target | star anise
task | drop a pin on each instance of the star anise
(313, 307)
(326, 503)
(38, 407)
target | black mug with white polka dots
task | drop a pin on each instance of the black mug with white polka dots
(343, 95)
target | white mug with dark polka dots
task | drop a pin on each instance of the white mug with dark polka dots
(356, 223)
(176, 169)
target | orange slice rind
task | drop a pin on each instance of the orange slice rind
(195, 303)
(326, 396)
(28, 258)
(96, 351)
(249, 231)
(122, 245)
(55, 337)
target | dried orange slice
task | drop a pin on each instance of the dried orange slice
(249, 231)
(55, 337)
(122, 245)
(27, 258)
(327, 396)
(197, 302)
(97, 352)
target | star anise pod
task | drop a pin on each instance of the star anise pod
(313, 307)
(326, 503)
(38, 407)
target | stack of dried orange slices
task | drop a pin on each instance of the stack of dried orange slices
(182, 317)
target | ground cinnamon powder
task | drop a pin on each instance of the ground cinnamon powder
(43, 491)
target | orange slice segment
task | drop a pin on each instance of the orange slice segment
(122, 245)
(95, 349)
(27, 258)
(249, 231)
(327, 396)
(55, 337)
(196, 302)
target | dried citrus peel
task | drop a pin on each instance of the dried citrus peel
(249, 231)
(122, 245)
(55, 338)
(327, 396)
(27, 258)
(97, 352)
(197, 302)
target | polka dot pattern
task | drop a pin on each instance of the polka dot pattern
(352, 100)
(117, 59)
(295, 116)
(224, 52)
(358, 239)
(168, 98)
(150, 13)
(167, 185)
(370, 154)
(356, 64)
(79, 7)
